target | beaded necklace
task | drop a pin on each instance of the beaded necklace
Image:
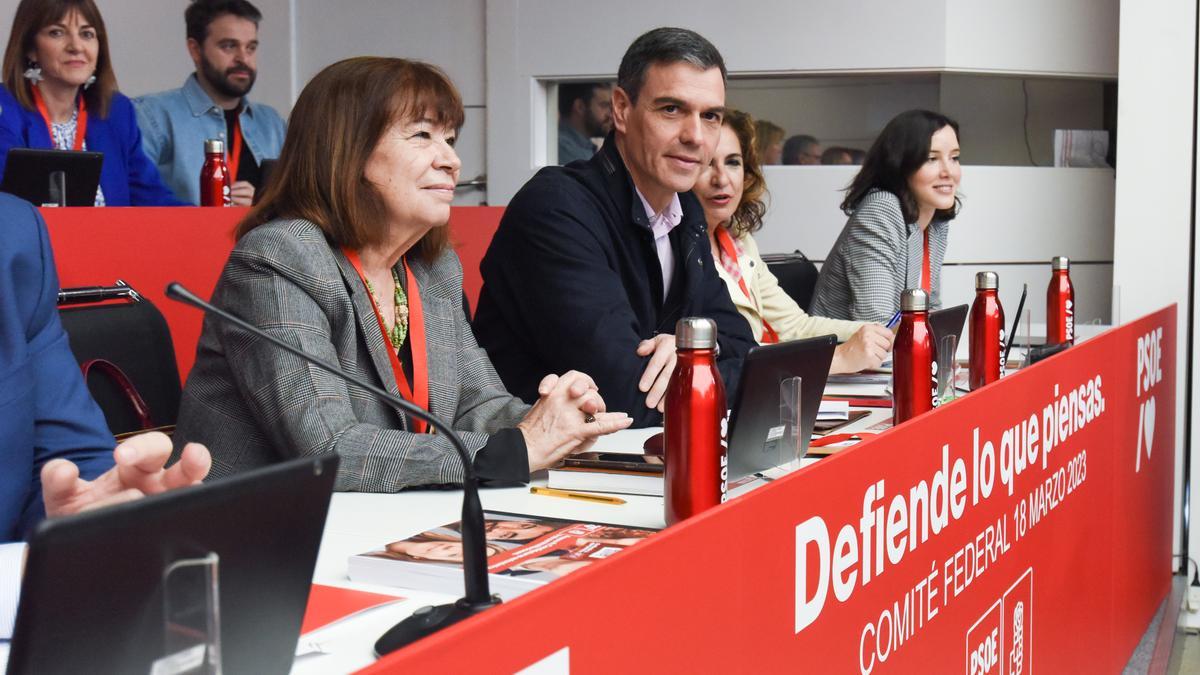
(399, 330)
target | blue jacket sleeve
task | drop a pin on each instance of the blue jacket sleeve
(146, 186)
(12, 126)
(67, 423)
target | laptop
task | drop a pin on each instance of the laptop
(117, 590)
(762, 430)
(948, 321)
(41, 176)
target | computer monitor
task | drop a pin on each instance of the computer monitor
(42, 176)
(760, 433)
(116, 590)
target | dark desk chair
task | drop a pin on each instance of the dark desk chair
(797, 275)
(122, 336)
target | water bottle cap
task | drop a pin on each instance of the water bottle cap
(695, 332)
(1060, 262)
(987, 281)
(214, 146)
(914, 300)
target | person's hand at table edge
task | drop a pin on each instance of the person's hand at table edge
(138, 471)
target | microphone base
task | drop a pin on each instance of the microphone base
(426, 621)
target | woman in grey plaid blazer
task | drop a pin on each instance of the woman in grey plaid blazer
(347, 240)
(900, 205)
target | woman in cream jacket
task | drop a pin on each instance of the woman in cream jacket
(731, 189)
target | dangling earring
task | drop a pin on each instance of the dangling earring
(33, 73)
(90, 81)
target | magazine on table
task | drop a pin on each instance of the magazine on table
(524, 552)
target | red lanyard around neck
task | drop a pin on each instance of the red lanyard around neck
(729, 252)
(418, 393)
(81, 119)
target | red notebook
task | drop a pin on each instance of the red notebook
(327, 604)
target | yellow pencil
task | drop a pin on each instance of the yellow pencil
(599, 499)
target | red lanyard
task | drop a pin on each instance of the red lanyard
(235, 154)
(925, 264)
(416, 333)
(80, 119)
(729, 252)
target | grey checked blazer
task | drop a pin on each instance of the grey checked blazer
(876, 258)
(253, 404)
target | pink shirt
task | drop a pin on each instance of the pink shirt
(661, 225)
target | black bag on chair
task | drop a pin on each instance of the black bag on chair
(124, 346)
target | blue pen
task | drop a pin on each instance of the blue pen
(894, 321)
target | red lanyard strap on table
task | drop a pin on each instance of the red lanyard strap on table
(729, 252)
(80, 119)
(925, 264)
(235, 154)
(418, 393)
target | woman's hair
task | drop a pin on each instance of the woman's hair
(748, 215)
(767, 134)
(337, 122)
(901, 148)
(34, 15)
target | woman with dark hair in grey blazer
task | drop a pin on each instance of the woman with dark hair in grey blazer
(900, 205)
(346, 257)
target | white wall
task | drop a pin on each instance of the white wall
(851, 110)
(1014, 219)
(1154, 187)
(147, 40)
(865, 36)
(1072, 37)
(448, 33)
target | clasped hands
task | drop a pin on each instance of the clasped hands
(567, 419)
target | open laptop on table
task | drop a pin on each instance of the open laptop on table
(763, 433)
(42, 176)
(118, 589)
(948, 321)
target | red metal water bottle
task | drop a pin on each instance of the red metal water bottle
(215, 180)
(1060, 303)
(697, 463)
(913, 390)
(987, 331)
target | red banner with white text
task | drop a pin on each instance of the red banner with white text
(1024, 527)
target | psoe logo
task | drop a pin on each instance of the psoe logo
(1000, 642)
(1149, 374)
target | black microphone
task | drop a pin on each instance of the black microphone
(425, 620)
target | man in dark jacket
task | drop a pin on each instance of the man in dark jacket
(593, 263)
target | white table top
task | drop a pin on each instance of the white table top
(360, 522)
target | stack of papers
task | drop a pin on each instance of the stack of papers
(834, 411)
(862, 385)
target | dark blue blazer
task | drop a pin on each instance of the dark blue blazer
(127, 177)
(571, 281)
(45, 409)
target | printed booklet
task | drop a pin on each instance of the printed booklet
(524, 552)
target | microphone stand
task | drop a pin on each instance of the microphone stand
(425, 620)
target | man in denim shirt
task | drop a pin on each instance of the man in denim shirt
(222, 39)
